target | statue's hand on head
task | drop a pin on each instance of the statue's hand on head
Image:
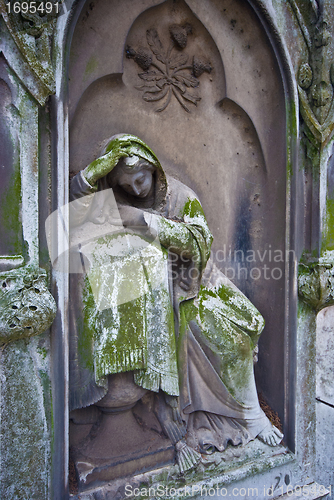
(100, 167)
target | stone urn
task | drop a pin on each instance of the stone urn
(120, 443)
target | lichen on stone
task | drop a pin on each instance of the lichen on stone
(27, 308)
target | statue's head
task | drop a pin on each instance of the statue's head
(135, 176)
(140, 174)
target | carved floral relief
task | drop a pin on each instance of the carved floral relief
(316, 75)
(171, 72)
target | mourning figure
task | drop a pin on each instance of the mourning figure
(151, 309)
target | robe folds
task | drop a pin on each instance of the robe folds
(150, 300)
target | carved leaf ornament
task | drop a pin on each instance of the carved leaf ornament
(168, 73)
(30, 24)
(316, 283)
(316, 76)
(27, 308)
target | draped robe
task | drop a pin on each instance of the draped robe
(153, 302)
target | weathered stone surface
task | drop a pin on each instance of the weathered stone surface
(235, 138)
(325, 356)
(32, 33)
(10, 188)
(27, 308)
(25, 420)
(252, 464)
(324, 444)
(111, 440)
(315, 80)
(294, 52)
(216, 323)
(316, 283)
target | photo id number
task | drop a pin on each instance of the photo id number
(33, 7)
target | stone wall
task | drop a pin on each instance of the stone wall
(264, 139)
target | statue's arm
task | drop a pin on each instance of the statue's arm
(117, 149)
(81, 197)
(80, 187)
(189, 237)
(239, 309)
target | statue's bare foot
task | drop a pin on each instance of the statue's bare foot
(271, 435)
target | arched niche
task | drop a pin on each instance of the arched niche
(230, 148)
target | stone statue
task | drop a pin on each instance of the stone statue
(150, 304)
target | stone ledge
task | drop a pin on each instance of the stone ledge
(216, 471)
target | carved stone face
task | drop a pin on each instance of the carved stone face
(137, 181)
(27, 308)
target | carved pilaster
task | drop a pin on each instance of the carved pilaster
(315, 76)
(315, 79)
(27, 308)
(31, 29)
